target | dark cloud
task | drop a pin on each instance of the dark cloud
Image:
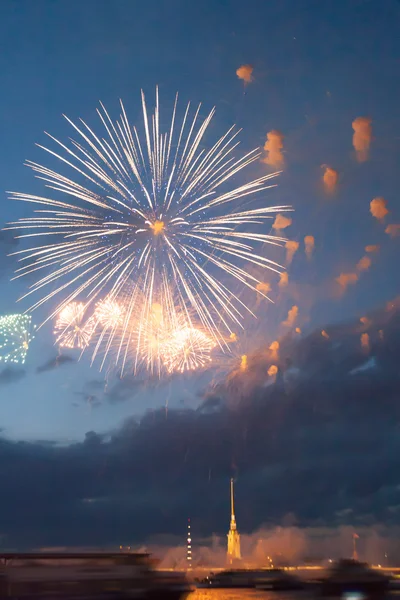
(54, 363)
(321, 443)
(11, 375)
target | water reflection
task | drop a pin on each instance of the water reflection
(203, 594)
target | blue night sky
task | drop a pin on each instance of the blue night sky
(317, 66)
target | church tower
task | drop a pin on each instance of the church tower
(233, 550)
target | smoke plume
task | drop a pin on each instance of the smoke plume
(283, 279)
(330, 179)
(291, 249)
(365, 341)
(273, 148)
(363, 264)
(346, 279)
(378, 209)
(274, 347)
(309, 243)
(362, 137)
(291, 317)
(290, 545)
(281, 222)
(393, 229)
(273, 369)
(245, 73)
(372, 248)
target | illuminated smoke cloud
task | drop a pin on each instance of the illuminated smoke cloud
(378, 209)
(324, 334)
(365, 341)
(291, 317)
(283, 279)
(273, 147)
(274, 347)
(298, 330)
(393, 229)
(372, 248)
(281, 222)
(346, 279)
(309, 243)
(365, 321)
(364, 264)
(362, 137)
(291, 249)
(330, 178)
(272, 371)
(245, 73)
(264, 288)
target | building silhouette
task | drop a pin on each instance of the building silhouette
(233, 549)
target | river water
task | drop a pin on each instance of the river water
(204, 594)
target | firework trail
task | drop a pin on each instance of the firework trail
(15, 338)
(154, 209)
(71, 328)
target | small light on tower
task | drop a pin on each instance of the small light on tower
(189, 547)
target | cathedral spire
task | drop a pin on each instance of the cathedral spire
(233, 550)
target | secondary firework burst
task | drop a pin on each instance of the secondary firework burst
(72, 330)
(151, 207)
(16, 334)
(109, 313)
(188, 349)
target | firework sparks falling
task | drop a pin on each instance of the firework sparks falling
(153, 210)
(71, 329)
(15, 338)
(187, 350)
(109, 313)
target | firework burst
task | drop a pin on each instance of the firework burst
(188, 349)
(15, 338)
(153, 208)
(71, 329)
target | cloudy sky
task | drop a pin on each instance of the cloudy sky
(317, 66)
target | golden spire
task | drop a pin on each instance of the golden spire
(233, 550)
(232, 504)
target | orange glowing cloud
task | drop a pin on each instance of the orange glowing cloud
(362, 137)
(378, 209)
(281, 222)
(262, 287)
(309, 243)
(291, 249)
(245, 73)
(298, 330)
(324, 334)
(273, 148)
(291, 317)
(365, 321)
(283, 279)
(272, 370)
(393, 229)
(372, 248)
(330, 179)
(365, 341)
(274, 347)
(363, 264)
(346, 279)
